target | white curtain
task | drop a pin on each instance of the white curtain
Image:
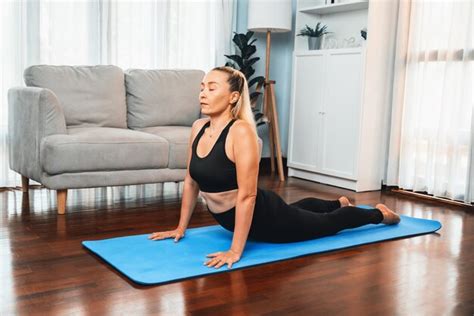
(432, 124)
(130, 34)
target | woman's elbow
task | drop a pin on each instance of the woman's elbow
(247, 196)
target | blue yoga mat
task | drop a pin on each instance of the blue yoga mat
(148, 262)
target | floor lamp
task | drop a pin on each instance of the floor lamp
(268, 17)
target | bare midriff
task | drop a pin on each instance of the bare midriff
(219, 202)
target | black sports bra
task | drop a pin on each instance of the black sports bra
(214, 172)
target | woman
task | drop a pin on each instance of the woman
(223, 161)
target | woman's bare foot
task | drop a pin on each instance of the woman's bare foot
(345, 201)
(389, 216)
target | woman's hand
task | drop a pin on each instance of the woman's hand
(177, 234)
(221, 258)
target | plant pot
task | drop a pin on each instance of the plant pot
(314, 43)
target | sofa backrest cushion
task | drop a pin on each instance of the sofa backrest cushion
(161, 97)
(89, 95)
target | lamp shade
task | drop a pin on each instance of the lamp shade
(269, 15)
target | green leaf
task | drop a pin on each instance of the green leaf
(254, 40)
(241, 41)
(251, 61)
(236, 58)
(259, 79)
(231, 65)
(249, 35)
(254, 95)
(318, 30)
(249, 51)
(250, 72)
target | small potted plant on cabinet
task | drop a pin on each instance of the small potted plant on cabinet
(314, 36)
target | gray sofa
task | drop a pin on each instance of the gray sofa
(93, 126)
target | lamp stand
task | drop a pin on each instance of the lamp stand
(270, 111)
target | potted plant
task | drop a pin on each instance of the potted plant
(244, 62)
(314, 36)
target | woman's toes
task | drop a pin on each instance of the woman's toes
(389, 216)
(344, 201)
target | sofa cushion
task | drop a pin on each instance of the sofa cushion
(178, 139)
(102, 149)
(89, 95)
(162, 97)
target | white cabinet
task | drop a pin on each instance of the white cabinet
(307, 99)
(333, 137)
(340, 113)
(325, 117)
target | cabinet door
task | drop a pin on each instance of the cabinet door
(341, 114)
(306, 103)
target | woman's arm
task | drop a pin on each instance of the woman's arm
(190, 193)
(246, 156)
(191, 188)
(188, 203)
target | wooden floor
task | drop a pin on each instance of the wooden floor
(44, 269)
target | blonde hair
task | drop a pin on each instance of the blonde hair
(241, 109)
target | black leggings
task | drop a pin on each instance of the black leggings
(274, 220)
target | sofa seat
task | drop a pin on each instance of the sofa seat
(178, 139)
(102, 149)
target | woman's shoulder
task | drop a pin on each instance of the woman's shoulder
(242, 130)
(241, 126)
(196, 127)
(199, 123)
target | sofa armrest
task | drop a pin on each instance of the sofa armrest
(33, 113)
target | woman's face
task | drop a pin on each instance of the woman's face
(215, 96)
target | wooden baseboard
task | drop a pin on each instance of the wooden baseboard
(432, 198)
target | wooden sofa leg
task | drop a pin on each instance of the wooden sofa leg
(24, 184)
(61, 198)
